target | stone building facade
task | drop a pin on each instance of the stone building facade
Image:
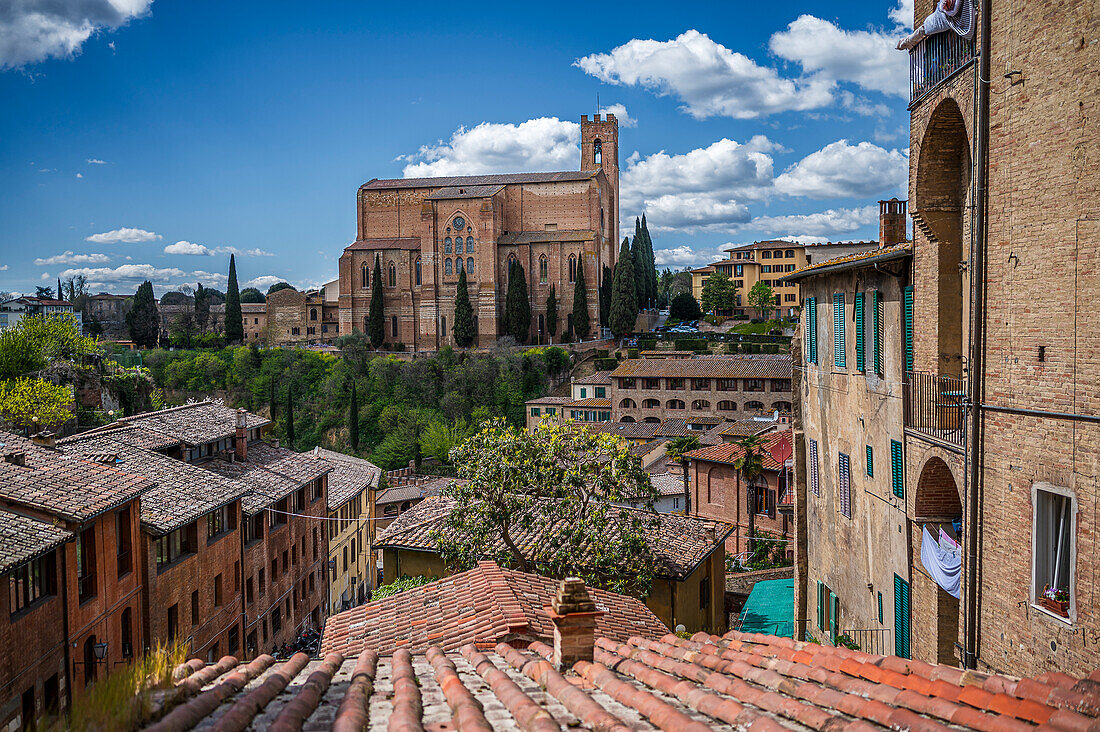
(425, 231)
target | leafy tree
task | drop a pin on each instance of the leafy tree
(35, 403)
(685, 307)
(143, 320)
(517, 306)
(520, 483)
(36, 340)
(400, 585)
(750, 465)
(438, 439)
(94, 327)
(463, 327)
(43, 292)
(279, 286)
(251, 294)
(581, 326)
(679, 446)
(605, 295)
(353, 418)
(552, 314)
(718, 293)
(376, 317)
(624, 305)
(234, 321)
(761, 298)
(290, 417)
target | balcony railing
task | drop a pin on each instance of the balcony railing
(935, 405)
(936, 59)
(876, 641)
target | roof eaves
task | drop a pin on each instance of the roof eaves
(855, 261)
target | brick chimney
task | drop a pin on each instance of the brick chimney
(574, 616)
(240, 441)
(891, 222)
(45, 438)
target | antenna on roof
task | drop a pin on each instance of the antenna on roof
(597, 102)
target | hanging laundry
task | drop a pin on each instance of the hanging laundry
(944, 567)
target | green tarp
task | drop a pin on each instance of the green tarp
(770, 609)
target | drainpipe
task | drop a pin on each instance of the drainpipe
(976, 267)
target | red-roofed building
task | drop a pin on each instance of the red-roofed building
(719, 492)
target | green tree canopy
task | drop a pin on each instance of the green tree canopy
(143, 320)
(463, 327)
(679, 446)
(279, 286)
(750, 465)
(624, 305)
(376, 316)
(685, 307)
(718, 293)
(234, 321)
(581, 325)
(605, 295)
(517, 305)
(520, 484)
(761, 298)
(251, 294)
(353, 417)
(35, 403)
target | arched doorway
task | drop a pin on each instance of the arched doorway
(938, 509)
(941, 192)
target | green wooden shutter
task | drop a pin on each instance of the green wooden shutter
(876, 313)
(858, 306)
(901, 617)
(820, 605)
(897, 469)
(839, 340)
(908, 329)
(880, 608)
(870, 462)
(811, 330)
(834, 616)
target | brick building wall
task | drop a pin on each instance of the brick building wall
(718, 492)
(698, 402)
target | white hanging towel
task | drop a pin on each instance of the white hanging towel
(944, 567)
(959, 19)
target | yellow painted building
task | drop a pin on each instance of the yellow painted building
(352, 485)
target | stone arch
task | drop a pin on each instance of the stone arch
(941, 191)
(628, 403)
(935, 619)
(627, 419)
(937, 494)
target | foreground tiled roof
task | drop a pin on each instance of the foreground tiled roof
(487, 604)
(63, 485)
(479, 180)
(679, 544)
(859, 259)
(195, 423)
(180, 492)
(23, 538)
(736, 682)
(722, 367)
(776, 445)
(349, 476)
(136, 436)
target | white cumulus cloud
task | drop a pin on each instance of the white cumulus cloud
(123, 236)
(828, 223)
(263, 282)
(124, 274)
(3, 268)
(193, 249)
(72, 258)
(621, 115)
(96, 161)
(842, 170)
(542, 144)
(34, 30)
(708, 78)
(902, 13)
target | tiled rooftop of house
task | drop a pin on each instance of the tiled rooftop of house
(196, 423)
(668, 484)
(748, 427)
(679, 544)
(349, 476)
(722, 367)
(630, 430)
(402, 493)
(136, 436)
(738, 681)
(65, 486)
(485, 605)
(271, 473)
(776, 446)
(897, 251)
(645, 448)
(591, 402)
(550, 400)
(23, 538)
(180, 492)
(600, 377)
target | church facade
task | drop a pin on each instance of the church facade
(426, 231)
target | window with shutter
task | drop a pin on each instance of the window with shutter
(876, 306)
(908, 325)
(811, 330)
(870, 462)
(844, 484)
(813, 468)
(820, 605)
(834, 616)
(839, 345)
(897, 469)
(857, 313)
(880, 608)
(901, 617)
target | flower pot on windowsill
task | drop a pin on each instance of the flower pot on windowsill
(1055, 606)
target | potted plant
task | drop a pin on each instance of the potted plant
(1056, 600)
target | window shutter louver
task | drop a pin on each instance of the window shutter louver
(845, 485)
(839, 341)
(811, 330)
(834, 616)
(858, 314)
(820, 605)
(870, 462)
(901, 617)
(908, 329)
(813, 468)
(897, 469)
(876, 305)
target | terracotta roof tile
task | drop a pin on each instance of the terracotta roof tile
(722, 367)
(23, 538)
(349, 476)
(892, 252)
(600, 377)
(776, 445)
(270, 473)
(590, 402)
(194, 424)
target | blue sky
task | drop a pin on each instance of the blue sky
(150, 139)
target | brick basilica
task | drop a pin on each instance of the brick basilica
(426, 231)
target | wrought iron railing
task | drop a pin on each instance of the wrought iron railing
(935, 59)
(876, 641)
(935, 405)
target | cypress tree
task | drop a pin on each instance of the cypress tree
(353, 418)
(636, 257)
(290, 417)
(651, 265)
(552, 313)
(605, 296)
(143, 320)
(517, 305)
(376, 325)
(464, 314)
(60, 294)
(234, 321)
(624, 306)
(581, 326)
